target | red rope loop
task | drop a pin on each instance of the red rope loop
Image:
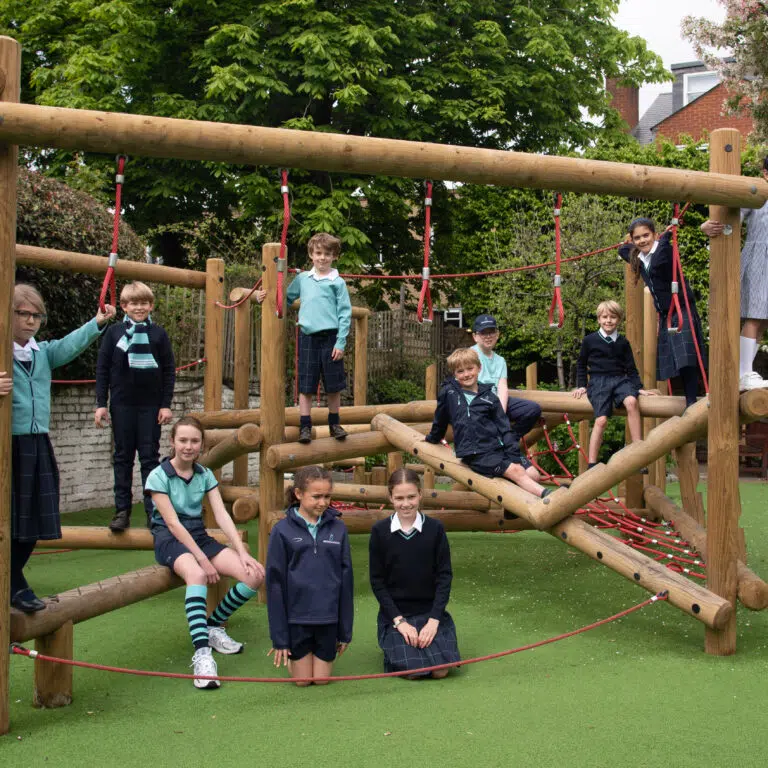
(282, 260)
(22, 651)
(426, 295)
(557, 299)
(110, 284)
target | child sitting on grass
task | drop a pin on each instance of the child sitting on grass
(482, 437)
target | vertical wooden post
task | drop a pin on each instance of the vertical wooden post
(584, 443)
(648, 373)
(272, 398)
(361, 376)
(688, 475)
(213, 381)
(723, 502)
(532, 376)
(430, 393)
(53, 682)
(633, 299)
(394, 462)
(242, 374)
(10, 79)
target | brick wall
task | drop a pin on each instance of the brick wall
(626, 100)
(84, 451)
(705, 113)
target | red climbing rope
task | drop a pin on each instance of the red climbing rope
(426, 294)
(21, 651)
(110, 285)
(282, 260)
(557, 299)
(201, 361)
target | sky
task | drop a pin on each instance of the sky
(658, 21)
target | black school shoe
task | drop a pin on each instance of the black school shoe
(120, 521)
(305, 435)
(337, 431)
(26, 601)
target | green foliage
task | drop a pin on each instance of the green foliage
(51, 215)
(395, 390)
(494, 73)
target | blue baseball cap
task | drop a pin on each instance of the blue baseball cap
(484, 323)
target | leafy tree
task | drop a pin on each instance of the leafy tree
(52, 215)
(745, 34)
(517, 74)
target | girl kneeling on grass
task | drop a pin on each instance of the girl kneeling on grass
(309, 580)
(177, 488)
(410, 568)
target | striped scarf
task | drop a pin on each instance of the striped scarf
(135, 343)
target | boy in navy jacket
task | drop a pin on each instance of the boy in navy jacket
(482, 436)
(613, 376)
(136, 372)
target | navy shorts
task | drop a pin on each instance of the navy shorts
(315, 362)
(319, 639)
(168, 548)
(608, 392)
(496, 463)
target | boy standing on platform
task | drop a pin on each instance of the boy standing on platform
(136, 372)
(613, 377)
(523, 415)
(324, 319)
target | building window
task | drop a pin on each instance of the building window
(698, 83)
(454, 317)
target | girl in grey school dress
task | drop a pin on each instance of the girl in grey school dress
(754, 287)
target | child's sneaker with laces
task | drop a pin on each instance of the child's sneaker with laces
(221, 642)
(204, 666)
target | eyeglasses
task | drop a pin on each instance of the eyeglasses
(38, 317)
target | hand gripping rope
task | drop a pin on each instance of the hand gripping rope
(32, 654)
(109, 284)
(426, 295)
(557, 299)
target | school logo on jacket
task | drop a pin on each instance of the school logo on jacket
(331, 540)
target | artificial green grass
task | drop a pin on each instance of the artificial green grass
(637, 692)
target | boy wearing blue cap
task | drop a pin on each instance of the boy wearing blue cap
(522, 414)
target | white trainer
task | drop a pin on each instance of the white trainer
(752, 380)
(204, 666)
(221, 642)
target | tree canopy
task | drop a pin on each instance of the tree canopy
(522, 74)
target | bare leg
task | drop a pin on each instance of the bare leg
(633, 418)
(188, 569)
(754, 328)
(305, 404)
(518, 475)
(439, 674)
(228, 563)
(533, 473)
(334, 401)
(302, 668)
(596, 438)
(321, 668)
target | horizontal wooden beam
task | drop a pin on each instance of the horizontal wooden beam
(100, 537)
(68, 261)
(110, 133)
(239, 442)
(454, 520)
(430, 499)
(752, 592)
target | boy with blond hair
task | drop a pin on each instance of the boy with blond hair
(606, 357)
(135, 374)
(482, 437)
(325, 316)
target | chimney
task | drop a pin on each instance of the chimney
(626, 99)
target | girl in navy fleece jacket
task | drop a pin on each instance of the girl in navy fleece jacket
(309, 580)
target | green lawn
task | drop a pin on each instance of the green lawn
(637, 692)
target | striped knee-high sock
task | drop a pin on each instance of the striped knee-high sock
(237, 596)
(195, 607)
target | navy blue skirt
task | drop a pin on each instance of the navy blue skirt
(399, 656)
(677, 350)
(34, 489)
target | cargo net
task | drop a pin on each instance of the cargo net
(657, 539)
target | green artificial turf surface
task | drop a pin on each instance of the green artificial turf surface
(637, 692)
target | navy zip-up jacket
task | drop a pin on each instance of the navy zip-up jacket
(478, 427)
(309, 581)
(658, 276)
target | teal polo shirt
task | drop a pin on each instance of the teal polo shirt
(492, 368)
(186, 495)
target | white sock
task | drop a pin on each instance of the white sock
(747, 353)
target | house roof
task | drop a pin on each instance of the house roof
(659, 111)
